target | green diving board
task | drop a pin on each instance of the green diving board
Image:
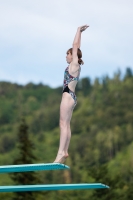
(24, 188)
(32, 167)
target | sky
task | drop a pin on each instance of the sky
(35, 35)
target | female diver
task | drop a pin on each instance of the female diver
(69, 99)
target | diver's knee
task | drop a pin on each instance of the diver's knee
(63, 123)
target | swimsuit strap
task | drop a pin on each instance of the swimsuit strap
(72, 78)
(69, 78)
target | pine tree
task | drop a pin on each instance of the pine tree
(86, 86)
(26, 156)
(129, 72)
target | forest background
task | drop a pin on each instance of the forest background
(101, 148)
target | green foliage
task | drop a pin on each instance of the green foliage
(129, 73)
(7, 143)
(102, 175)
(84, 85)
(102, 139)
(26, 156)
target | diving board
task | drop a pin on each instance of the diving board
(32, 167)
(24, 188)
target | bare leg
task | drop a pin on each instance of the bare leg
(66, 109)
(68, 140)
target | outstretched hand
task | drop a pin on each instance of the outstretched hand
(83, 28)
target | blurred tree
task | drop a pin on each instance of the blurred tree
(129, 72)
(96, 83)
(6, 112)
(86, 86)
(105, 82)
(25, 156)
(129, 192)
(101, 175)
(7, 143)
(101, 125)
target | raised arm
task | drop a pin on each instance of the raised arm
(77, 42)
(77, 39)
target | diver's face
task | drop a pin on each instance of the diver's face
(69, 57)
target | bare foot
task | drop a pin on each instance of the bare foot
(61, 157)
